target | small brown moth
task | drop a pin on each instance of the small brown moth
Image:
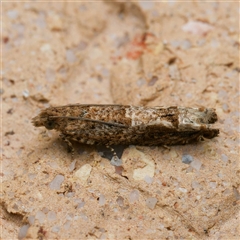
(129, 125)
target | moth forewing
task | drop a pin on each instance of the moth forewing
(124, 124)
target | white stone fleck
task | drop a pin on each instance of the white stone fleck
(83, 216)
(25, 93)
(195, 184)
(13, 14)
(133, 196)
(55, 22)
(46, 48)
(197, 27)
(184, 190)
(56, 182)
(31, 176)
(147, 170)
(151, 202)
(67, 225)
(224, 158)
(120, 201)
(198, 197)
(55, 229)
(83, 173)
(23, 231)
(51, 216)
(72, 165)
(81, 204)
(40, 216)
(213, 185)
(31, 219)
(227, 192)
(102, 200)
(196, 164)
(148, 179)
(70, 56)
(39, 195)
(161, 226)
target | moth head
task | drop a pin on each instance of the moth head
(44, 120)
(50, 124)
(211, 134)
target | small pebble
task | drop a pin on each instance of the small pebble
(31, 219)
(195, 185)
(196, 164)
(67, 225)
(23, 231)
(81, 204)
(186, 44)
(56, 182)
(197, 27)
(46, 48)
(184, 190)
(187, 159)
(13, 14)
(40, 216)
(115, 161)
(55, 228)
(52, 216)
(120, 201)
(102, 200)
(25, 93)
(83, 173)
(153, 80)
(71, 58)
(134, 196)
(151, 202)
(148, 179)
(224, 158)
(72, 165)
(227, 192)
(213, 185)
(141, 82)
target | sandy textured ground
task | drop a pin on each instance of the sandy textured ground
(139, 53)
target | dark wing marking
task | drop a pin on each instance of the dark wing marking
(91, 120)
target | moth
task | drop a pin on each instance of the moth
(129, 125)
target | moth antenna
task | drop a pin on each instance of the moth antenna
(91, 120)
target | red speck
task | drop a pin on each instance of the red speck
(119, 170)
(5, 39)
(164, 184)
(138, 45)
(134, 54)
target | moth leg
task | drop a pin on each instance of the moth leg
(112, 150)
(69, 144)
(115, 160)
(167, 147)
(201, 138)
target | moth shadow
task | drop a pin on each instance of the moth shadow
(108, 153)
(103, 151)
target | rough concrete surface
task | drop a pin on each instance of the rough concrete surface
(140, 53)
